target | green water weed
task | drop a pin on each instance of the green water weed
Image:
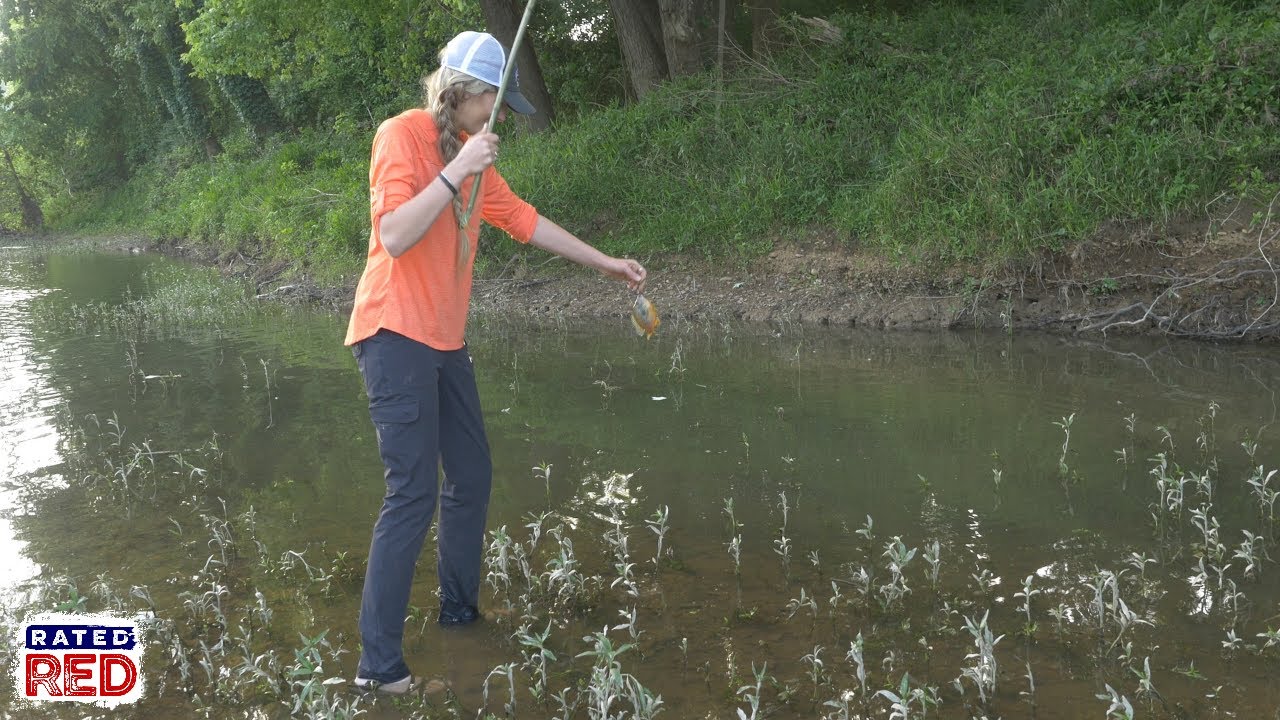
(1119, 706)
(751, 694)
(909, 699)
(538, 656)
(507, 672)
(658, 524)
(735, 552)
(985, 670)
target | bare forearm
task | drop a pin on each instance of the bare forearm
(554, 239)
(403, 227)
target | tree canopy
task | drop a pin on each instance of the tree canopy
(95, 88)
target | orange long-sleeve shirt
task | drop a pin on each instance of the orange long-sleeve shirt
(423, 294)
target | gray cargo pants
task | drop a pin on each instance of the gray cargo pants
(426, 409)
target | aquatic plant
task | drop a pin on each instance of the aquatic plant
(734, 525)
(506, 671)
(898, 557)
(841, 703)
(1065, 424)
(535, 528)
(609, 685)
(751, 694)
(855, 657)
(658, 524)
(563, 576)
(866, 531)
(782, 547)
(543, 471)
(498, 559)
(904, 703)
(933, 556)
(985, 670)
(804, 601)
(1119, 707)
(817, 669)
(538, 656)
(630, 625)
(622, 565)
(1026, 594)
(1260, 482)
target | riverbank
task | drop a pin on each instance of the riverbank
(1001, 168)
(1199, 279)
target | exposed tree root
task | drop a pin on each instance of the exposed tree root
(1234, 300)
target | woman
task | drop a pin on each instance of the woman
(407, 334)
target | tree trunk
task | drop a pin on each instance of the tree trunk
(32, 215)
(686, 27)
(503, 19)
(764, 24)
(640, 35)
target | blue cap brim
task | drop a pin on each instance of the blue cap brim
(518, 103)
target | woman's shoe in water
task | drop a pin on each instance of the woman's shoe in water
(458, 617)
(403, 686)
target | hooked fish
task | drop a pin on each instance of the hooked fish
(644, 317)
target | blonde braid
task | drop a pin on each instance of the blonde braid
(443, 90)
(450, 143)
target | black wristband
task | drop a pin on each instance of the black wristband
(452, 188)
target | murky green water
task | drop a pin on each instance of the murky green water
(198, 451)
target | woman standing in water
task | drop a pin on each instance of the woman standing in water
(407, 332)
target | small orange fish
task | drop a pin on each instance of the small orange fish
(644, 317)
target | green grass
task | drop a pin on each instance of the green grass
(952, 133)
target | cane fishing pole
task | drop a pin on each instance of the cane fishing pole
(465, 219)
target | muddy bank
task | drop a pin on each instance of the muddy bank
(1200, 280)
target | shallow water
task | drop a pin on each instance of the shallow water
(263, 410)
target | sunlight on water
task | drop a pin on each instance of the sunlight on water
(28, 441)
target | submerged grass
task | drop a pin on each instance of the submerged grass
(172, 298)
(953, 131)
(219, 644)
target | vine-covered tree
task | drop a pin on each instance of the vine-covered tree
(32, 215)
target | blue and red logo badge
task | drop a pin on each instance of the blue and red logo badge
(79, 658)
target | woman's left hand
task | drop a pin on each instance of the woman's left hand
(627, 270)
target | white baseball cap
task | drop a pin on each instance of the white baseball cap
(481, 56)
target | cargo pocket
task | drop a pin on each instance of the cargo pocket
(393, 412)
(392, 419)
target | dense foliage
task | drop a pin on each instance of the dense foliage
(951, 130)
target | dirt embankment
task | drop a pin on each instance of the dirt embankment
(1209, 280)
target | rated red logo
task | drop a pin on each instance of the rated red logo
(80, 658)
